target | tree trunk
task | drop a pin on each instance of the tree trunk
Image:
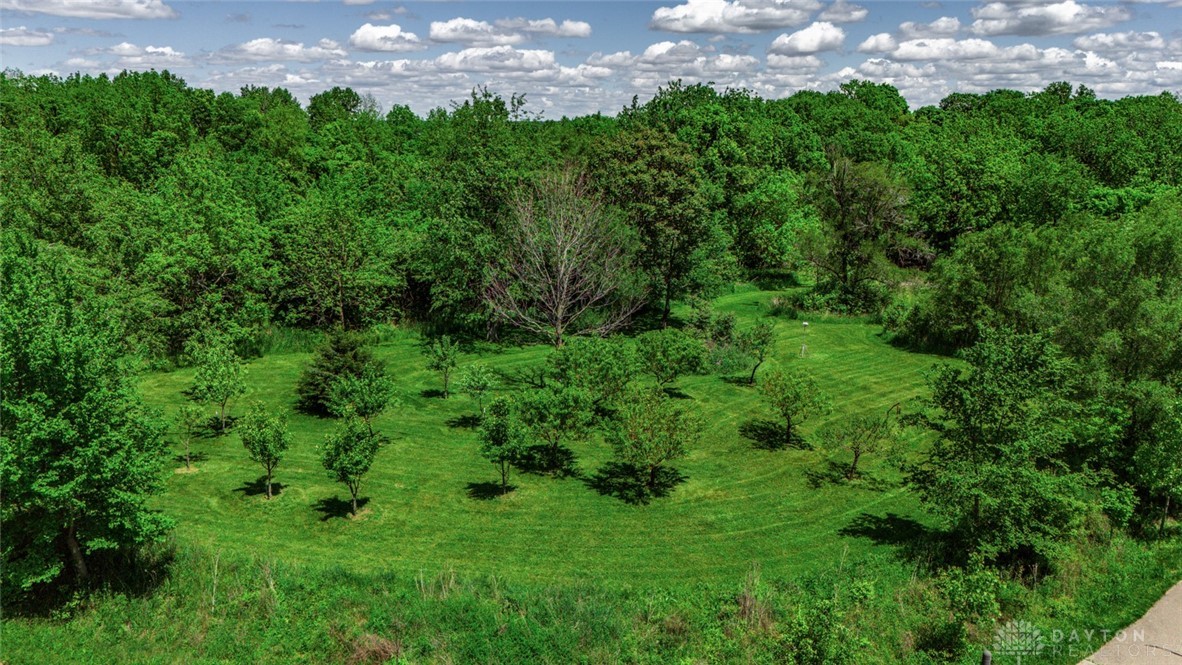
(751, 381)
(76, 552)
(668, 298)
(354, 503)
(788, 433)
(222, 416)
(1161, 527)
(504, 477)
(268, 484)
(853, 471)
(187, 455)
(652, 476)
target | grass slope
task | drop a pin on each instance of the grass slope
(431, 503)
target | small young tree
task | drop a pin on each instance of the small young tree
(442, 356)
(652, 431)
(556, 414)
(349, 453)
(860, 436)
(367, 394)
(476, 380)
(670, 353)
(219, 377)
(601, 367)
(502, 438)
(265, 438)
(756, 343)
(343, 354)
(188, 420)
(795, 396)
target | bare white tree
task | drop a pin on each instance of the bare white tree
(566, 266)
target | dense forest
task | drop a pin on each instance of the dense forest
(1032, 240)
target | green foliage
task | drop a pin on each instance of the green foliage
(502, 437)
(860, 436)
(997, 472)
(80, 455)
(476, 380)
(669, 353)
(348, 454)
(265, 438)
(651, 431)
(366, 395)
(220, 376)
(556, 415)
(342, 354)
(189, 419)
(601, 367)
(795, 396)
(756, 343)
(443, 356)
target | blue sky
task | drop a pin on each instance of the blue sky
(572, 58)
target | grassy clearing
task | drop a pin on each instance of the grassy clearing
(431, 501)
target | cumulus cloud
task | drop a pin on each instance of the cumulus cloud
(100, 9)
(797, 63)
(945, 26)
(1120, 42)
(370, 37)
(945, 49)
(880, 43)
(267, 48)
(1056, 18)
(503, 32)
(131, 56)
(843, 12)
(23, 36)
(820, 36)
(740, 16)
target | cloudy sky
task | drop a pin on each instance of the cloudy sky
(572, 58)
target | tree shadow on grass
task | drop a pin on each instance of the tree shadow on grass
(487, 491)
(432, 393)
(675, 392)
(833, 472)
(259, 487)
(541, 460)
(526, 377)
(743, 381)
(630, 484)
(916, 542)
(769, 435)
(470, 421)
(332, 506)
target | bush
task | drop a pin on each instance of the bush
(342, 354)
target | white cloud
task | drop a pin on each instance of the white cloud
(100, 9)
(1120, 41)
(266, 49)
(880, 43)
(1056, 18)
(798, 63)
(843, 12)
(945, 49)
(392, 37)
(131, 56)
(503, 32)
(945, 26)
(23, 36)
(741, 16)
(820, 36)
(358, 2)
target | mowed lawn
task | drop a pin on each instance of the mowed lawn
(429, 506)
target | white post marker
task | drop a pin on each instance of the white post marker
(804, 347)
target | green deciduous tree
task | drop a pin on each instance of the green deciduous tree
(442, 356)
(265, 438)
(998, 471)
(669, 353)
(859, 436)
(756, 343)
(795, 396)
(188, 421)
(476, 380)
(367, 395)
(502, 437)
(80, 454)
(349, 453)
(651, 432)
(556, 414)
(220, 376)
(601, 367)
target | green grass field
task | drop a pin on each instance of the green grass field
(431, 499)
